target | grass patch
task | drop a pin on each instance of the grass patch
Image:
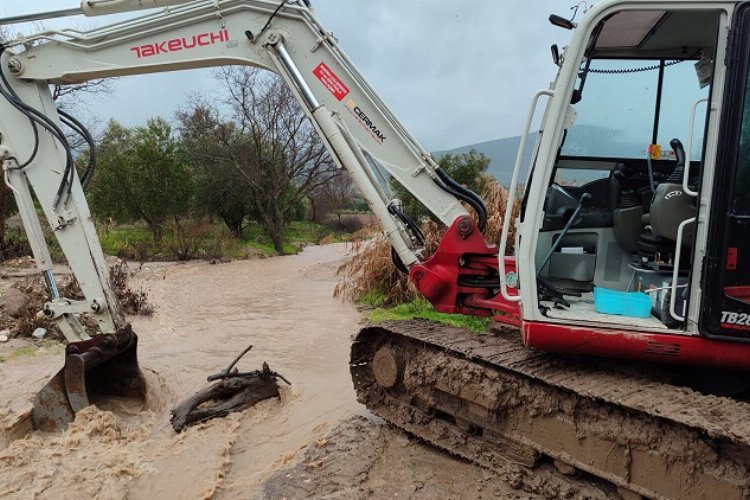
(23, 352)
(421, 309)
(136, 242)
(31, 351)
(115, 239)
(374, 298)
(267, 250)
(296, 235)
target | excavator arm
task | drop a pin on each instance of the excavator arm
(361, 133)
(358, 129)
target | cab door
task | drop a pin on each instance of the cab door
(726, 269)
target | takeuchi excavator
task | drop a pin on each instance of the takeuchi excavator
(631, 241)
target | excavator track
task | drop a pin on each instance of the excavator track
(489, 399)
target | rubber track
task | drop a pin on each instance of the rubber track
(648, 437)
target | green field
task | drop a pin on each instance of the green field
(136, 242)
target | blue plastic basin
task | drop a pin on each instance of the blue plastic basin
(634, 304)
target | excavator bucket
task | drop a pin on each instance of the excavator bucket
(104, 366)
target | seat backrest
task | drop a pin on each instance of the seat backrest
(670, 205)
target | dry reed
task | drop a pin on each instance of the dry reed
(371, 277)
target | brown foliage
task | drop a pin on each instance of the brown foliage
(496, 198)
(370, 275)
(189, 236)
(133, 301)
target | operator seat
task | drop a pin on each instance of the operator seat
(670, 206)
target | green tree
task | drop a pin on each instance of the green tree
(467, 169)
(7, 207)
(220, 191)
(142, 174)
(270, 146)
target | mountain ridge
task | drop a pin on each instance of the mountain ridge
(501, 152)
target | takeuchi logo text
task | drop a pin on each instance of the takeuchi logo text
(178, 44)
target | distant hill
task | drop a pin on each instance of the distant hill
(502, 152)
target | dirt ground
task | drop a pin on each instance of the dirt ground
(315, 441)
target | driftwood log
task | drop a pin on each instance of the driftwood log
(234, 391)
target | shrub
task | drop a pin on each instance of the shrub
(188, 237)
(371, 277)
(133, 301)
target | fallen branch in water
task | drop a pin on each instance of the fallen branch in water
(235, 391)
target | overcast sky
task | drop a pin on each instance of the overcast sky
(455, 72)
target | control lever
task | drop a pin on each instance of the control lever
(583, 202)
(547, 290)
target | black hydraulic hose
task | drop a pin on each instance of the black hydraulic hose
(34, 128)
(466, 195)
(488, 282)
(39, 118)
(478, 204)
(254, 37)
(409, 222)
(71, 125)
(457, 194)
(80, 129)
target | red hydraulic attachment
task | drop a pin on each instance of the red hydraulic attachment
(462, 276)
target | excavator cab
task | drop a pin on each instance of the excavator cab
(725, 280)
(634, 207)
(633, 150)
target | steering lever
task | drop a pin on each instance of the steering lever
(583, 202)
(547, 290)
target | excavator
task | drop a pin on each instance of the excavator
(628, 241)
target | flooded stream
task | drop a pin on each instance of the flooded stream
(205, 315)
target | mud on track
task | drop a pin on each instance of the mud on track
(205, 315)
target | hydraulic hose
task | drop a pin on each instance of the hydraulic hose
(464, 194)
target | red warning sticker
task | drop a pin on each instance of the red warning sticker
(332, 82)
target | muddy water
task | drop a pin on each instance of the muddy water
(205, 315)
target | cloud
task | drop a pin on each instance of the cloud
(454, 72)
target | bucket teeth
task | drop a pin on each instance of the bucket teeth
(106, 365)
